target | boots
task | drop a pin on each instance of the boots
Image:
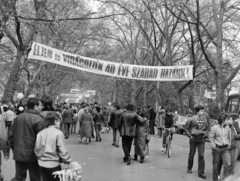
(135, 157)
(142, 159)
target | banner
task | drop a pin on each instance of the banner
(210, 94)
(150, 73)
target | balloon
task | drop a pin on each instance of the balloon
(20, 95)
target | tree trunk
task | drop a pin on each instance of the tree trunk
(11, 85)
(180, 103)
(133, 94)
(158, 97)
(144, 93)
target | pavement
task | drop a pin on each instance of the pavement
(103, 162)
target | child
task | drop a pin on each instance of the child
(50, 149)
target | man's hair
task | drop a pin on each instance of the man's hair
(98, 109)
(117, 107)
(32, 102)
(47, 102)
(198, 108)
(51, 118)
(74, 111)
(130, 107)
(5, 109)
(222, 117)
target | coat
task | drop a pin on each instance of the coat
(67, 116)
(86, 125)
(160, 118)
(23, 137)
(128, 123)
(115, 119)
(141, 145)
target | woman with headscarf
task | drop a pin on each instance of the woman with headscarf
(86, 123)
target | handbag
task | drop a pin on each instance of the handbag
(148, 138)
(196, 132)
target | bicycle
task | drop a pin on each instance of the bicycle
(169, 141)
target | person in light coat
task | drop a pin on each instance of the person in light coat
(160, 117)
(142, 138)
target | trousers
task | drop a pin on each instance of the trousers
(21, 171)
(115, 136)
(197, 143)
(127, 145)
(46, 173)
(224, 154)
(67, 129)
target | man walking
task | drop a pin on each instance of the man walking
(23, 137)
(115, 120)
(219, 138)
(128, 131)
(197, 128)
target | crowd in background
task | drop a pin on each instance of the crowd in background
(36, 132)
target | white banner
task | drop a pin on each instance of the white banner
(150, 73)
(210, 94)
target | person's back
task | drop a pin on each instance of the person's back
(50, 149)
(26, 126)
(129, 124)
(116, 118)
(168, 120)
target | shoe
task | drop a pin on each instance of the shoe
(124, 159)
(116, 146)
(113, 144)
(141, 160)
(80, 141)
(202, 176)
(189, 171)
(129, 161)
(163, 149)
(135, 158)
(219, 177)
(100, 139)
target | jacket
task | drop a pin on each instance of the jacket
(192, 123)
(23, 137)
(50, 149)
(128, 123)
(67, 116)
(98, 118)
(219, 136)
(116, 118)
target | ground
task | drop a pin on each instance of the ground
(101, 161)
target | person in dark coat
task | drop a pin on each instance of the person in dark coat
(152, 117)
(128, 131)
(67, 120)
(142, 138)
(22, 140)
(115, 120)
(98, 120)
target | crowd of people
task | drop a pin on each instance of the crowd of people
(36, 131)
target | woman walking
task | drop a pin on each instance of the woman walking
(86, 125)
(141, 140)
(160, 120)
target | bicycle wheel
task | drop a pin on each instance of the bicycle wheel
(169, 148)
